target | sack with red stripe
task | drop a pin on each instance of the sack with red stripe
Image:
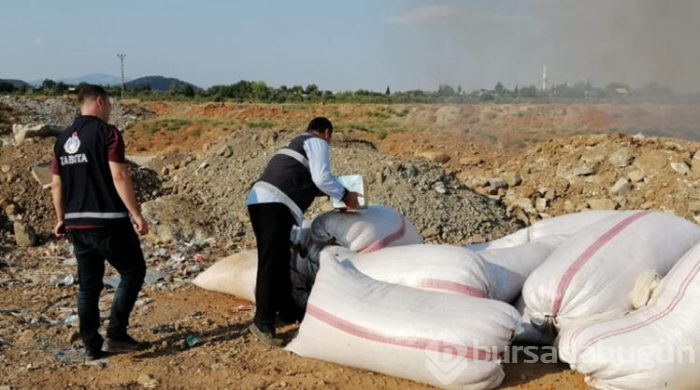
(364, 230)
(651, 348)
(426, 336)
(564, 226)
(508, 268)
(235, 275)
(594, 270)
(445, 268)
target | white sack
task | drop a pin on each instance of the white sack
(364, 230)
(564, 225)
(235, 275)
(446, 268)
(354, 320)
(594, 270)
(651, 348)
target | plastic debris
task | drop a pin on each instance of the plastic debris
(192, 340)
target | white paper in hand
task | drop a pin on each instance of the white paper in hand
(353, 183)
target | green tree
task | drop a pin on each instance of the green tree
(188, 91)
(7, 87)
(173, 88)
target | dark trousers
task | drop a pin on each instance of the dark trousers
(272, 225)
(121, 247)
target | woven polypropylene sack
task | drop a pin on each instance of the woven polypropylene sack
(426, 336)
(564, 225)
(594, 270)
(364, 230)
(651, 348)
(233, 275)
(445, 268)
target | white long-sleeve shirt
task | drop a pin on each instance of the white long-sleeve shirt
(318, 155)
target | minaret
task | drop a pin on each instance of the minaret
(544, 79)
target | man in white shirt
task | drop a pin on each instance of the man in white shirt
(295, 175)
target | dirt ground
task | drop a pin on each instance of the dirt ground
(225, 356)
(198, 338)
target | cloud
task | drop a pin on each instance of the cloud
(36, 41)
(423, 14)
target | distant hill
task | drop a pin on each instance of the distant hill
(16, 83)
(91, 78)
(158, 83)
(94, 78)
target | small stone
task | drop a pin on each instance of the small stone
(436, 157)
(621, 157)
(379, 178)
(602, 204)
(622, 187)
(638, 137)
(583, 170)
(11, 210)
(541, 204)
(694, 207)
(681, 168)
(513, 179)
(646, 205)
(24, 234)
(636, 176)
(439, 187)
(5, 168)
(471, 161)
(696, 156)
(147, 381)
(226, 151)
(524, 203)
(497, 183)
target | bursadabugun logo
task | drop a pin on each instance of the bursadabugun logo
(447, 357)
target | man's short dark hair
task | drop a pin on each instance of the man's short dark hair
(91, 91)
(320, 124)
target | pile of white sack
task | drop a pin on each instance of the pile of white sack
(381, 300)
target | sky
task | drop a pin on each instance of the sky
(359, 44)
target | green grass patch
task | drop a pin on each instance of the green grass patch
(262, 124)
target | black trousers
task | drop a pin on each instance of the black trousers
(272, 225)
(121, 247)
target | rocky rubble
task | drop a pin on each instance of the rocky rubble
(28, 116)
(595, 172)
(216, 182)
(23, 198)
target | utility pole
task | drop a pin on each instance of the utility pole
(121, 59)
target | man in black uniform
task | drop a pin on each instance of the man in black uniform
(93, 196)
(292, 179)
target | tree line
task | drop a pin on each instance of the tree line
(259, 91)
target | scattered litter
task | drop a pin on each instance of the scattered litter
(101, 363)
(164, 328)
(68, 281)
(192, 340)
(71, 319)
(111, 281)
(154, 277)
(198, 257)
(147, 381)
(246, 307)
(177, 257)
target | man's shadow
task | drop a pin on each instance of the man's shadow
(186, 339)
